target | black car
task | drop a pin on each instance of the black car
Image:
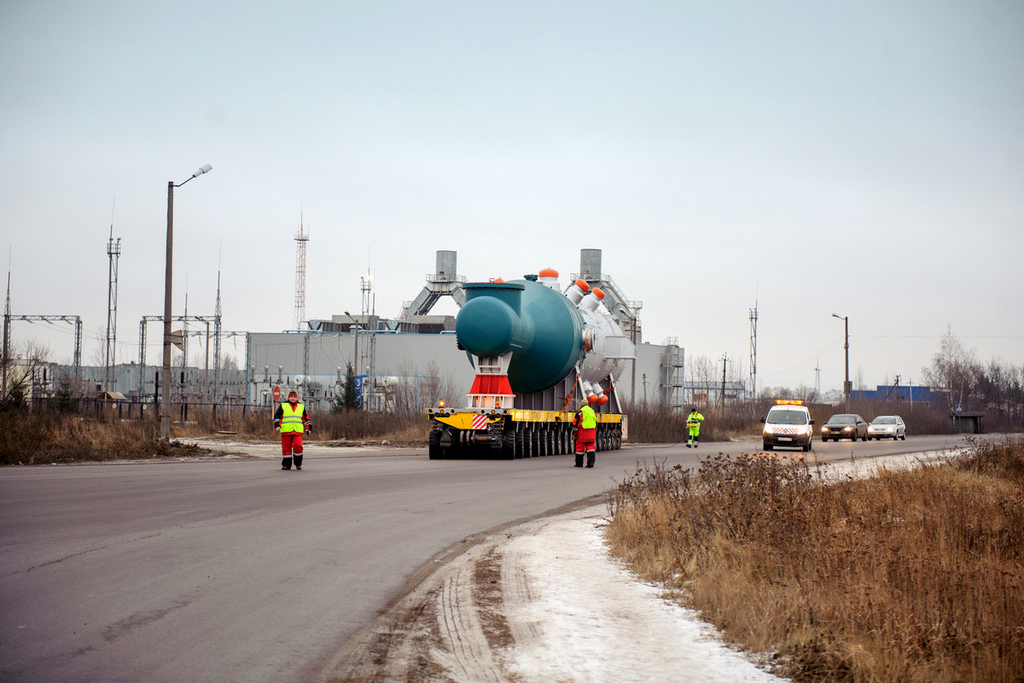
(845, 426)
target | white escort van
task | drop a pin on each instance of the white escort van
(788, 424)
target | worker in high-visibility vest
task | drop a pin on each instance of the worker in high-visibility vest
(292, 419)
(693, 421)
(585, 426)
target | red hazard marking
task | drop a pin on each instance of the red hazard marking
(495, 385)
(479, 422)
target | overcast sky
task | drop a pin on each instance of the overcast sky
(809, 158)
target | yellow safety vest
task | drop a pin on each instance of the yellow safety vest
(588, 420)
(693, 421)
(291, 418)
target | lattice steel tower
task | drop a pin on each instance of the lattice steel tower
(113, 256)
(753, 353)
(367, 361)
(300, 274)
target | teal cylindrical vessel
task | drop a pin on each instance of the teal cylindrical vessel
(488, 323)
(536, 324)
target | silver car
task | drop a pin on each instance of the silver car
(887, 427)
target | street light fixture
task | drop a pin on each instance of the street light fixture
(165, 387)
(846, 384)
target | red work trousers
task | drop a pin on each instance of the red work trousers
(291, 442)
(586, 439)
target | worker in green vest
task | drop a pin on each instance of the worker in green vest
(585, 426)
(693, 421)
(292, 419)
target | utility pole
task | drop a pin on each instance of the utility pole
(846, 384)
(725, 363)
(165, 387)
(817, 380)
(7, 337)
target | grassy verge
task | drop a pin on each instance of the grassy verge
(37, 438)
(40, 439)
(910, 576)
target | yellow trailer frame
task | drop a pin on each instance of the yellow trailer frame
(511, 433)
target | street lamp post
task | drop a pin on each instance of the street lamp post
(846, 384)
(165, 387)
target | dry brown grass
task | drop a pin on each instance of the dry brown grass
(910, 576)
(657, 424)
(31, 438)
(356, 426)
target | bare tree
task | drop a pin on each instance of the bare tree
(25, 373)
(702, 373)
(834, 396)
(99, 352)
(953, 370)
(439, 385)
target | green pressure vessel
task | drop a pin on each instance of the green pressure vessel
(536, 324)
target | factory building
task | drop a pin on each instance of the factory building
(408, 363)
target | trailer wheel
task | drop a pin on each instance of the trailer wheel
(508, 445)
(434, 444)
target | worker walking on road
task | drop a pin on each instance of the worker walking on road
(693, 421)
(585, 425)
(292, 419)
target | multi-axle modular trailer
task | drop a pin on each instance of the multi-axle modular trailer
(539, 354)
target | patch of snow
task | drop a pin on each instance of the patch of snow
(594, 622)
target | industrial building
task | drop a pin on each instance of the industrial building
(406, 363)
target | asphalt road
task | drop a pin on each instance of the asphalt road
(229, 569)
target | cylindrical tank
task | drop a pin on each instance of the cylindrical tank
(446, 261)
(590, 264)
(536, 324)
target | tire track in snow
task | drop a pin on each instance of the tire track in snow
(467, 654)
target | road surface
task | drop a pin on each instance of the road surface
(228, 568)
